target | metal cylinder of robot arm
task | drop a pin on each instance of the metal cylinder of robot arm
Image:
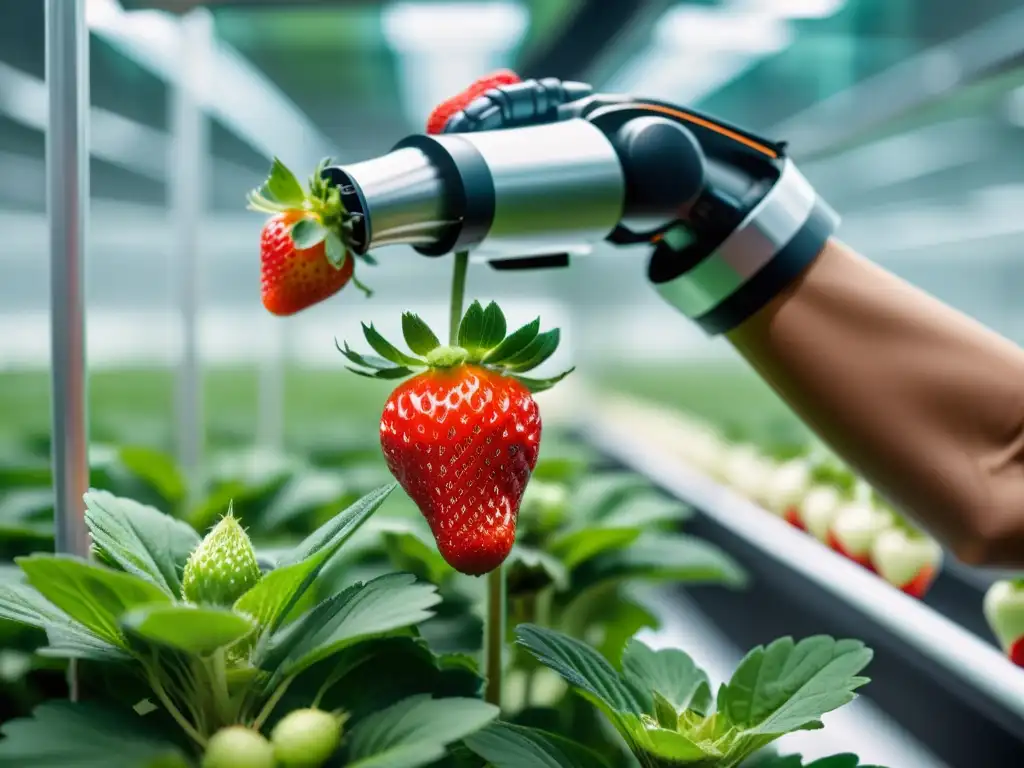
(534, 189)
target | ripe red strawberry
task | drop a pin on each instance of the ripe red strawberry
(463, 442)
(462, 435)
(443, 112)
(295, 278)
(304, 256)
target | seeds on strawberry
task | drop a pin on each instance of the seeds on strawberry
(294, 278)
(462, 443)
(462, 435)
(223, 567)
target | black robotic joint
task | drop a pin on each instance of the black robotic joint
(530, 102)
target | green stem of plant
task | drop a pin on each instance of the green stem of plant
(172, 710)
(494, 634)
(272, 702)
(458, 295)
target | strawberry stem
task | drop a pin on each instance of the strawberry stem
(458, 295)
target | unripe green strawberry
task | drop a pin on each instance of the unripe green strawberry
(238, 747)
(223, 566)
(306, 738)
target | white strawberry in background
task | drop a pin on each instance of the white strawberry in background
(747, 472)
(818, 510)
(1004, 611)
(703, 449)
(786, 487)
(907, 559)
(856, 527)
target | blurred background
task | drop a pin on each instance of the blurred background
(908, 115)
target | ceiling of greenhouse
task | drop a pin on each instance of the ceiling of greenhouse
(351, 67)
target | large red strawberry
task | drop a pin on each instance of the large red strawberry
(461, 436)
(443, 112)
(304, 256)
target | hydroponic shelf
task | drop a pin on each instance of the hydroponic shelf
(946, 685)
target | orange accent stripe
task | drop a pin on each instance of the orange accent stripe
(712, 126)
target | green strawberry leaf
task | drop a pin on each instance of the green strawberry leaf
(487, 331)
(661, 556)
(471, 328)
(504, 745)
(541, 385)
(385, 349)
(418, 335)
(513, 344)
(334, 249)
(669, 747)
(67, 638)
(277, 593)
(584, 668)
(23, 604)
(846, 760)
(140, 540)
(647, 511)
(367, 361)
(577, 546)
(534, 353)
(416, 731)
(387, 374)
(93, 595)
(363, 611)
(671, 674)
(307, 232)
(787, 686)
(282, 187)
(529, 570)
(187, 628)
(61, 734)
(369, 259)
(599, 494)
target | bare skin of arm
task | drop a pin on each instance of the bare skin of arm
(924, 402)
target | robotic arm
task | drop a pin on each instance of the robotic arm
(926, 403)
(531, 173)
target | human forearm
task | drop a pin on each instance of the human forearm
(926, 403)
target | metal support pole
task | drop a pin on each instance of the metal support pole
(188, 189)
(67, 203)
(67, 199)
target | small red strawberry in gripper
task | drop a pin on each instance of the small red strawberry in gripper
(304, 253)
(443, 112)
(462, 435)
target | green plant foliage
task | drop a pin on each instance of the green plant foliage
(355, 614)
(661, 704)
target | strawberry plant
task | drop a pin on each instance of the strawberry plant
(661, 703)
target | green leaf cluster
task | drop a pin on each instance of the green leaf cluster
(661, 702)
(319, 215)
(483, 339)
(206, 666)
